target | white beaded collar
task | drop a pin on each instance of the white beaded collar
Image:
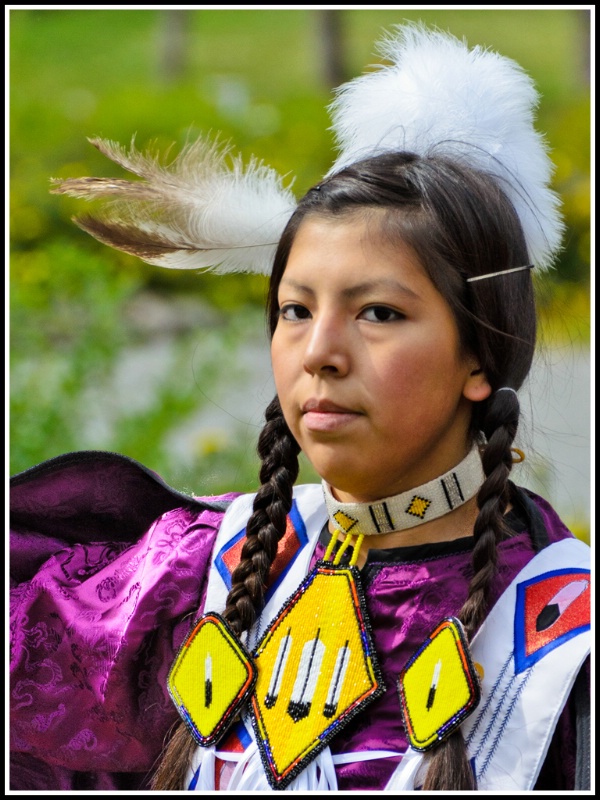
(411, 508)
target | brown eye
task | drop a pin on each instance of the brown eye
(381, 314)
(293, 312)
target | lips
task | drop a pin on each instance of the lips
(325, 416)
(325, 407)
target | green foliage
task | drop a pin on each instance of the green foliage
(564, 315)
(570, 127)
(66, 327)
(255, 78)
(108, 367)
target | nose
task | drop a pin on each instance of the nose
(327, 348)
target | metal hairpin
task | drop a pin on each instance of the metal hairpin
(501, 272)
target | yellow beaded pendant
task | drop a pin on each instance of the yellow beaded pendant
(439, 687)
(316, 667)
(210, 679)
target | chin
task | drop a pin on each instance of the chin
(338, 471)
(345, 482)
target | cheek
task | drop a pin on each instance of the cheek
(399, 373)
(282, 367)
(415, 378)
(275, 352)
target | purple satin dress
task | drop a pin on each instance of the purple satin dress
(108, 569)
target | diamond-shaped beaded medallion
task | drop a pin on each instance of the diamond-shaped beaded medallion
(210, 679)
(316, 669)
(439, 686)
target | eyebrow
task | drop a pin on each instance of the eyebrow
(351, 292)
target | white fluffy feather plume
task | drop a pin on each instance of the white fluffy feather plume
(439, 97)
(203, 211)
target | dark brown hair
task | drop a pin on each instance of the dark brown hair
(460, 224)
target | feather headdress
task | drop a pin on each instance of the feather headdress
(197, 213)
(473, 106)
(206, 211)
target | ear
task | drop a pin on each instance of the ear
(476, 386)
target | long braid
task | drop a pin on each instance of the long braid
(500, 428)
(448, 765)
(278, 451)
(175, 760)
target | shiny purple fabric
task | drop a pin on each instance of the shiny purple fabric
(109, 566)
(96, 625)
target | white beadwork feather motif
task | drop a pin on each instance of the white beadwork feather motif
(202, 211)
(474, 106)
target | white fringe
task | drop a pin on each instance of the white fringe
(403, 777)
(249, 774)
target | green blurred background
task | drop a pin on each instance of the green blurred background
(109, 353)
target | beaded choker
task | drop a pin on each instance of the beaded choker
(411, 508)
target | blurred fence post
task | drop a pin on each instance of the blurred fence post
(331, 34)
(173, 44)
(583, 46)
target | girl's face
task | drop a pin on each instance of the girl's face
(370, 375)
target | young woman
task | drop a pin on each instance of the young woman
(418, 621)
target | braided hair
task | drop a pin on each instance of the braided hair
(278, 451)
(460, 224)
